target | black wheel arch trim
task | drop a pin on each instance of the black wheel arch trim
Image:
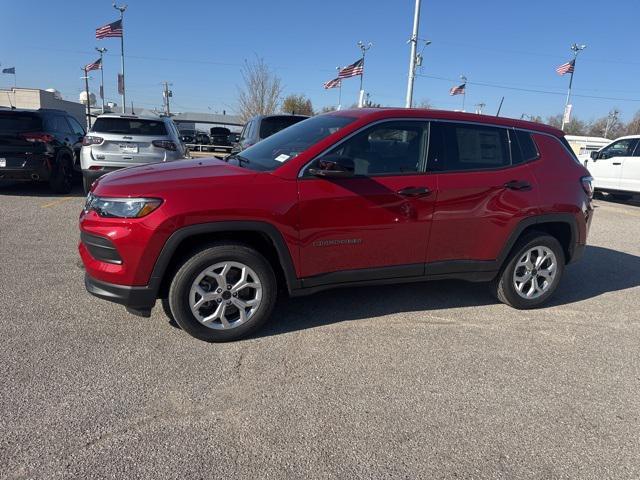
(567, 218)
(177, 237)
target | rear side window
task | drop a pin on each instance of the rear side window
(523, 148)
(57, 123)
(19, 122)
(272, 125)
(458, 147)
(129, 126)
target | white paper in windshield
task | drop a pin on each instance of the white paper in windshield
(281, 158)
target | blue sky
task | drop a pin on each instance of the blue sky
(200, 46)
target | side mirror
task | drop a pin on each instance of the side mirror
(334, 166)
(595, 155)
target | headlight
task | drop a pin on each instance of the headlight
(121, 207)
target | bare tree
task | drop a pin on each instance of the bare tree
(425, 103)
(633, 127)
(298, 104)
(260, 94)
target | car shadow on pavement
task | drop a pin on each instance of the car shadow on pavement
(601, 270)
(36, 189)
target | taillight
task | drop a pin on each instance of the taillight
(587, 185)
(38, 137)
(90, 140)
(166, 144)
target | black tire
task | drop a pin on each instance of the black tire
(86, 184)
(621, 197)
(210, 255)
(61, 180)
(503, 286)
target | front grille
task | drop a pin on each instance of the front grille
(101, 248)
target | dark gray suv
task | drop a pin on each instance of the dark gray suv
(263, 126)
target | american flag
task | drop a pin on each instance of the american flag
(565, 68)
(352, 70)
(332, 83)
(113, 29)
(459, 90)
(97, 65)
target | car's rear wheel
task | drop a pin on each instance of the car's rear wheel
(86, 183)
(223, 292)
(61, 180)
(531, 273)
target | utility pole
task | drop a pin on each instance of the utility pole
(86, 91)
(121, 9)
(576, 49)
(166, 94)
(363, 49)
(413, 59)
(102, 50)
(479, 107)
(612, 118)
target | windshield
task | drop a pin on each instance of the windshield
(129, 126)
(281, 147)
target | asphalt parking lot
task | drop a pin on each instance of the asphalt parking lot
(432, 380)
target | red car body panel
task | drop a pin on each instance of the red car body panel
(337, 225)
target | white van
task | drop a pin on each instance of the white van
(616, 168)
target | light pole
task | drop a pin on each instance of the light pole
(576, 49)
(102, 50)
(412, 59)
(363, 49)
(479, 107)
(121, 9)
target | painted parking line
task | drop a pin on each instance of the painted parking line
(57, 202)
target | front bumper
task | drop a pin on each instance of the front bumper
(138, 300)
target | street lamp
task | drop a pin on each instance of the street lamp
(102, 51)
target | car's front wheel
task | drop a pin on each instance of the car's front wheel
(223, 292)
(532, 272)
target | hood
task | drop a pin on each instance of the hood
(156, 178)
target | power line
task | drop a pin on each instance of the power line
(530, 90)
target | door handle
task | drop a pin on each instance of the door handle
(522, 185)
(414, 191)
(617, 163)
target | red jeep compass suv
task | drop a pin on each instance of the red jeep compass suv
(354, 197)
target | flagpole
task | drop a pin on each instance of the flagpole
(364, 49)
(339, 88)
(88, 99)
(121, 9)
(464, 90)
(576, 49)
(101, 50)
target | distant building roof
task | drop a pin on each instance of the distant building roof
(197, 117)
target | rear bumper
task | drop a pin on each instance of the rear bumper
(32, 167)
(92, 175)
(138, 300)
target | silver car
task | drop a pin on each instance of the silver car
(118, 140)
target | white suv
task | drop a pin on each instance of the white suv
(616, 168)
(117, 140)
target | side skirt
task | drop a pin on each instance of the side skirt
(469, 270)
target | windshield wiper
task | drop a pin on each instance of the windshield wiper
(240, 158)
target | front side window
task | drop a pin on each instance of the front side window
(458, 147)
(621, 148)
(287, 144)
(390, 148)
